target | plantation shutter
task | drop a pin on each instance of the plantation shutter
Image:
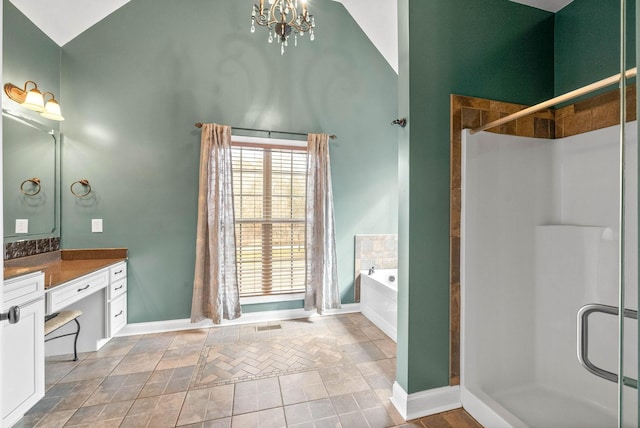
(269, 202)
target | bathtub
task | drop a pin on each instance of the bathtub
(379, 299)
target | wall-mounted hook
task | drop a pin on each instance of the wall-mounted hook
(402, 122)
(83, 182)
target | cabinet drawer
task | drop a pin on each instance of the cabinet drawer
(73, 291)
(23, 289)
(117, 288)
(117, 314)
(118, 272)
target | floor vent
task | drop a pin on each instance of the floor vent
(268, 327)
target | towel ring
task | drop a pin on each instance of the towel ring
(83, 182)
(36, 183)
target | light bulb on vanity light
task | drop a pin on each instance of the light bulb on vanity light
(34, 100)
(52, 109)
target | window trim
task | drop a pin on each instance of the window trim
(275, 143)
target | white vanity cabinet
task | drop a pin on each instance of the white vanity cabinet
(22, 370)
(101, 296)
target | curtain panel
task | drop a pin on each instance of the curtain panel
(215, 285)
(321, 278)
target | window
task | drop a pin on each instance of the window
(269, 187)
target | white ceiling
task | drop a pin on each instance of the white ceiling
(63, 20)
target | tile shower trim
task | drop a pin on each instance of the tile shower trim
(597, 112)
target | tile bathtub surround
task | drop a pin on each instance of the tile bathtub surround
(380, 251)
(18, 249)
(597, 112)
(157, 380)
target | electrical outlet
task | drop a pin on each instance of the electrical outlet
(22, 225)
(96, 225)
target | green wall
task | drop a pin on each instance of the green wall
(134, 85)
(29, 54)
(492, 49)
(587, 42)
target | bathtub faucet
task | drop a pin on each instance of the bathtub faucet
(372, 270)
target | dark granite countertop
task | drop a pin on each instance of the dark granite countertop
(64, 265)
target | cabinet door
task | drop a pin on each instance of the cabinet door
(22, 362)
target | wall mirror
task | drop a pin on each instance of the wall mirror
(30, 178)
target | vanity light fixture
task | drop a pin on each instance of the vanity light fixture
(33, 99)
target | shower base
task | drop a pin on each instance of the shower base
(541, 407)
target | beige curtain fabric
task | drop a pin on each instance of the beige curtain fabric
(321, 285)
(215, 285)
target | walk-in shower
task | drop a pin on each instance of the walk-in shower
(539, 241)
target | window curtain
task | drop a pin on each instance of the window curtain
(215, 285)
(321, 278)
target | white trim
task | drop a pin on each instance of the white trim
(248, 318)
(267, 141)
(425, 403)
(252, 300)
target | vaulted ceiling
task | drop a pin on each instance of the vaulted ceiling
(63, 20)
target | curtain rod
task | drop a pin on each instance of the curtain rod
(557, 100)
(333, 137)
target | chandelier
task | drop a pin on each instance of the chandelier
(281, 17)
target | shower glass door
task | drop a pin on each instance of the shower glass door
(628, 332)
(633, 22)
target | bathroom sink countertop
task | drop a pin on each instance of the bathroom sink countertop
(64, 265)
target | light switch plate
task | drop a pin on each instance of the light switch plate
(96, 225)
(22, 225)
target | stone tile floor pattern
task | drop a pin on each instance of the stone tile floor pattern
(332, 371)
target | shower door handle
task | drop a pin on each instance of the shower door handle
(583, 341)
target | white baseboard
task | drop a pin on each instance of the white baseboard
(425, 403)
(248, 318)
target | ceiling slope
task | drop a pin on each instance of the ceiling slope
(63, 20)
(379, 21)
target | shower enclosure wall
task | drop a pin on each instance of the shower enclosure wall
(539, 240)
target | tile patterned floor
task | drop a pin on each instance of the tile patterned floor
(334, 371)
